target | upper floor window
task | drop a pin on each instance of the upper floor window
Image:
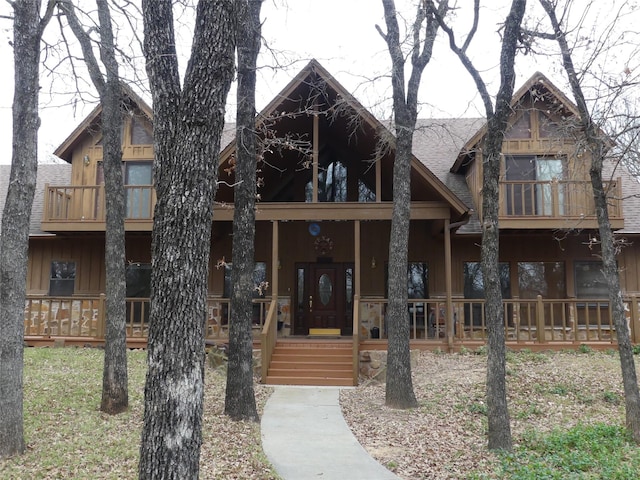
(335, 185)
(138, 179)
(521, 128)
(62, 278)
(139, 134)
(528, 186)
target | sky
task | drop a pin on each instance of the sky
(340, 34)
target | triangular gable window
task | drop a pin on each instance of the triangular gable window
(521, 127)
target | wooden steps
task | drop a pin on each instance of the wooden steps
(311, 362)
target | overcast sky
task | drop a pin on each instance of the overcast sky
(341, 35)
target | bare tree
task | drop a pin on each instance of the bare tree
(188, 122)
(115, 393)
(399, 386)
(14, 237)
(598, 146)
(499, 431)
(240, 402)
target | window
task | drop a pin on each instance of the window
(529, 185)
(474, 289)
(139, 134)
(138, 279)
(541, 278)
(589, 280)
(334, 184)
(62, 278)
(474, 280)
(259, 279)
(138, 179)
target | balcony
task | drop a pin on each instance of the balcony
(82, 208)
(562, 204)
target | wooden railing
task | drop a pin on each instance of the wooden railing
(355, 360)
(526, 320)
(86, 203)
(555, 199)
(268, 337)
(83, 317)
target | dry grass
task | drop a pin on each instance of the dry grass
(67, 437)
(446, 437)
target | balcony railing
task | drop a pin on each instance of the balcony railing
(86, 203)
(555, 199)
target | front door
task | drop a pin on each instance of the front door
(324, 297)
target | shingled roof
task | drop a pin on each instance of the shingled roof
(51, 173)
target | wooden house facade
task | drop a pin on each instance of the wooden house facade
(323, 223)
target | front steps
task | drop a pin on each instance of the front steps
(311, 362)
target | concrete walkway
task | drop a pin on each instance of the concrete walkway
(305, 437)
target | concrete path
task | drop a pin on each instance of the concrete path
(305, 437)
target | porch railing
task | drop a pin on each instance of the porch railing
(555, 198)
(538, 320)
(83, 317)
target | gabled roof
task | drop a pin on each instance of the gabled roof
(314, 73)
(92, 123)
(536, 80)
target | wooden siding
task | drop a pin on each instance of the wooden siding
(569, 200)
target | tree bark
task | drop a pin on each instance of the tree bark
(14, 239)
(188, 123)
(240, 403)
(115, 393)
(399, 387)
(596, 144)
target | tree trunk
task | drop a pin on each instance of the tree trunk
(596, 144)
(240, 403)
(115, 392)
(499, 428)
(399, 388)
(188, 124)
(14, 240)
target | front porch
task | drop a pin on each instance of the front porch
(566, 323)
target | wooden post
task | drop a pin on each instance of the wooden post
(635, 320)
(540, 320)
(45, 209)
(274, 261)
(357, 260)
(379, 180)
(316, 144)
(102, 306)
(448, 318)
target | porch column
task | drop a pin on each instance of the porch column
(274, 260)
(316, 159)
(357, 261)
(450, 318)
(379, 180)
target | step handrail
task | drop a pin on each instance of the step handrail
(268, 338)
(355, 360)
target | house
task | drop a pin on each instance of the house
(323, 224)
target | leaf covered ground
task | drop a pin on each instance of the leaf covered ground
(445, 438)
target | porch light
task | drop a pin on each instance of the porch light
(85, 160)
(373, 262)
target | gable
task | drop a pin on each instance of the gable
(315, 117)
